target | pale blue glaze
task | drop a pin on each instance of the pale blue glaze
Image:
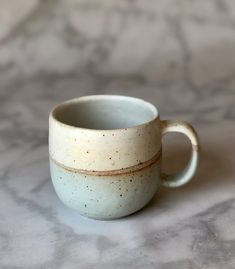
(106, 197)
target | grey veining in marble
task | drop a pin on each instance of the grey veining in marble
(177, 54)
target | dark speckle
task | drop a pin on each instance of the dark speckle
(85, 205)
(85, 176)
(112, 134)
(60, 177)
(120, 195)
(125, 129)
(110, 158)
(116, 151)
(87, 186)
(120, 189)
(103, 134)
(139, 134)
(87, 152)
(130, 180)
(74, 161)
(126, 189)
(120, 205)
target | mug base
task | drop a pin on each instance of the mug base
(105, 197)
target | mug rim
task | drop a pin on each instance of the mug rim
(81, 99)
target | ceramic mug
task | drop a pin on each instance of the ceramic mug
(105, 154)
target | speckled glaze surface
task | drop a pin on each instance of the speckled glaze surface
(105, 154)
(102, 148)
(106, 197)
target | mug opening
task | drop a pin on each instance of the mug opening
(105, 112)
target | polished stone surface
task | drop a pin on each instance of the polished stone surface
(177, 54)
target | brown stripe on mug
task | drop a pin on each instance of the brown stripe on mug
(128, 170)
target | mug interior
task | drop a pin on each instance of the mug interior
(105, 112)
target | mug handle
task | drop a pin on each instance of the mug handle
(182, 177)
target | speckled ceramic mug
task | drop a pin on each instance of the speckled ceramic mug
(105, 154)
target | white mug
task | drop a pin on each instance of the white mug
(105, 154)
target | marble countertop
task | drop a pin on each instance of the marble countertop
(183, 63)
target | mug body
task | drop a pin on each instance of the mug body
(105, 154)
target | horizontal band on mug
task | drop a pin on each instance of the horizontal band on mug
(127, 170)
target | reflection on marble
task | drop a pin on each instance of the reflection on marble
(178, 55)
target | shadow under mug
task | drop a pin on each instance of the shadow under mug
(105, 154)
